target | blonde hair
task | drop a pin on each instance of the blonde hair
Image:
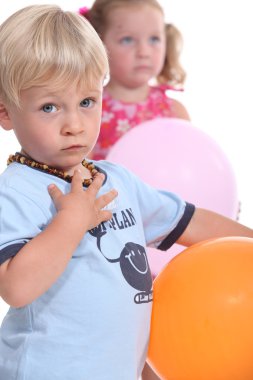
(172, 71)
(42, 44)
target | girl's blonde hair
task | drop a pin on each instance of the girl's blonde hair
(172, 72)
(43, 45)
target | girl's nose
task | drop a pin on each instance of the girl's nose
(143, 48)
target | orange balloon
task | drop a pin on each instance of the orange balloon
(202, 318)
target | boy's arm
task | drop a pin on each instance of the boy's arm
(43, 259)
(207, 224)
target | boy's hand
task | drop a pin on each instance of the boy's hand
(82, 207)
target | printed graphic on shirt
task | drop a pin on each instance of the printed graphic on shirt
(132, 258)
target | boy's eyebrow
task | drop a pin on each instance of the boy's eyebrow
(86, 92)
(95, 90)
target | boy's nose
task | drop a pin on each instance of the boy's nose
(72, 125)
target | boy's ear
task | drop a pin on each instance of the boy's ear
(5, 121)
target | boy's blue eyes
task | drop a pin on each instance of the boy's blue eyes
(85, 103)
(48, 108)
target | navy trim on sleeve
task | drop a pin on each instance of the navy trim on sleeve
(177, 232)
(102, 171)
(10, 251)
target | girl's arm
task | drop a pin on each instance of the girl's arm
(43, 259)
(207, 224)
(179, 111)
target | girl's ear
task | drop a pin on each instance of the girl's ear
(5, 121)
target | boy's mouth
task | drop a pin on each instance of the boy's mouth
(74, 147)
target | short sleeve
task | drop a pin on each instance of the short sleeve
(164, 214)
(20, 220)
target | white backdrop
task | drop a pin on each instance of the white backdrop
(218, 92)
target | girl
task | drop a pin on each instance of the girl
(141, 48)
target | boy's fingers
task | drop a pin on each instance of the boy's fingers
(106, 215)
(54, 192)
(105, 199)
(96, 183)
(77, 180)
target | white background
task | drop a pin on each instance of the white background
(218, 59)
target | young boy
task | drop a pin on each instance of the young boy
(73, 263)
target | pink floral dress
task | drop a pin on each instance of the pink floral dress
(118, 117)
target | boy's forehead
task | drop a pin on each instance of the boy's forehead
(54, 86)
(67, 94)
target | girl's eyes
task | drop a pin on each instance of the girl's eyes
(130, 40)
(87, 103)
(126, 40)
(48, 108)
(154, 39)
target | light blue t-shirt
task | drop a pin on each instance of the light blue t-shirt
(93, 323)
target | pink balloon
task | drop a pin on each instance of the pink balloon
(174, 155)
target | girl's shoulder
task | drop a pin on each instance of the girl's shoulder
(164, 94)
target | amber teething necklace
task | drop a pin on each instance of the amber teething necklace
(24, 160)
